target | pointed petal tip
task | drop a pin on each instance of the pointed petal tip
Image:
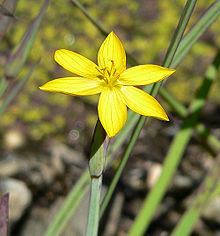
(172, 71)
(112, 33)
(43, 87)
(166, 118)
(163, 116)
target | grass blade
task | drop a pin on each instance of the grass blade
(174, 154)
(18, 58)
(7, 9)
(175, 41)
(210, 185)
(207, 140)
(69, 206)
(196, 32)
(3, 86)
(12, 94)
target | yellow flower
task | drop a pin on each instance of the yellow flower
(115, 83)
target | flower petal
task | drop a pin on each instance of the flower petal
(112, 111)
(142, 103)
(73, 86)
(144, 74)
(112, 51)
(76, 63)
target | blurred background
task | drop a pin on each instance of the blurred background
(45, 138)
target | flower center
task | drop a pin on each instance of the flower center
(109, 75)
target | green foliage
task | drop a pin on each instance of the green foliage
(142, 32)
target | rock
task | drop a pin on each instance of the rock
(154, 172)
(40, 218)
(66, 154)
(10, 165)
(183, 183)
(212, 211)
(19, 197)
(14, 139)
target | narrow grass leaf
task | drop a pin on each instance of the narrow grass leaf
(174, 154)
(18, 87)
(210, 16)
(7, 9)
(18, 58)
(3, 86)
(207, 140)
(204, 196)
(69, 206)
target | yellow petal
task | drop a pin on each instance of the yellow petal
(112, 111)
(76, 63)
(73, 86)
(142, 103)
(144, 74)
(112, 51)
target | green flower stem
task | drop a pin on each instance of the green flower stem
(122, 164)
(96, 167)
(175, 153)
(93, 219)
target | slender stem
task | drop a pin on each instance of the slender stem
(93, 218)
(92, 19)
(96, 166)
(122, 164)
(175, 41)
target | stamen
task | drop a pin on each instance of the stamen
(99, 70)
(102, 76)
(112, 68)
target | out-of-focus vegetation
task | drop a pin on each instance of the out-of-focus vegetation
(138, 25)
(55, 130)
